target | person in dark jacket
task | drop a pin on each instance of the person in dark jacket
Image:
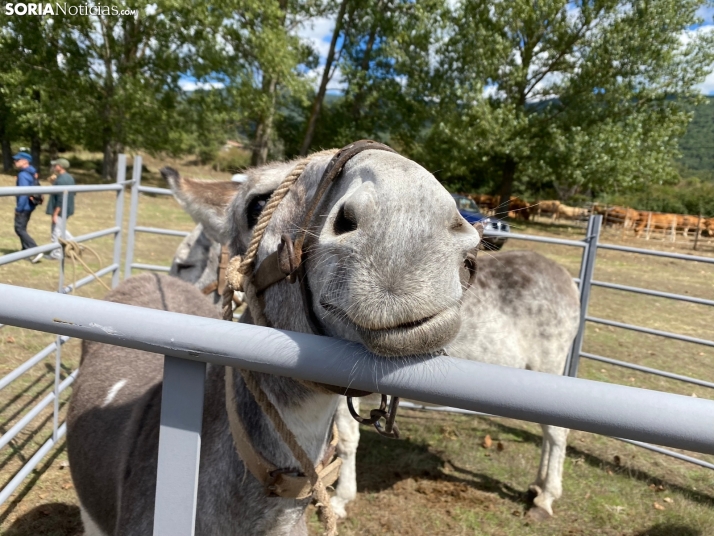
(23, 209)
(60, 177)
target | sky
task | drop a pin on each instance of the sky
(319, 33)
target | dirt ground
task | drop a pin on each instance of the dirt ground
(439, 479)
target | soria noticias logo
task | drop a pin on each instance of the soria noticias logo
(43, 9)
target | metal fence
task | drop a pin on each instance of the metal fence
(134, 228)
(666, 419)
(60, 385)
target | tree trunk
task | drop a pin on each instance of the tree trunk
(36, 150)
(264, 131)
(53, 149)
(359, 95)
(6, 154)
(317, 104)
(506, 190)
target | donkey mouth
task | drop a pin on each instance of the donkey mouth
(423, 336)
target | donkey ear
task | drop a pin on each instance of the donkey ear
(206, 201)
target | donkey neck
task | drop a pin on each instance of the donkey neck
(307, 413)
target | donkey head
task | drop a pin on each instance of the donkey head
(388, 256)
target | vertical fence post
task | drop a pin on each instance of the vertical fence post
(179, 447)
(586, 275)
(119, 217)
(134, 207)
(58, 339)
(696, 231)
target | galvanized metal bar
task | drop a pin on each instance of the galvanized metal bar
(648, 370)
(36, 410)
(179, 447)
(607, 409)
(649, 292)
(153, 267)
(667, 452)
(156, 230)
(27, 253)
(572, 355)
(77, 188)
(26, 419)
(650, 331)
(8, 490)
(133, 213)
(655, 253)
(89, 278)
(660, 450)
(586, 275)
(27, 365)
(58, 341)
(157, 191)
(119, 218)
(534, 238)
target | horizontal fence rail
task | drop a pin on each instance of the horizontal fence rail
(607, 409)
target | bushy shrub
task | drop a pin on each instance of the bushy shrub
(232, 160)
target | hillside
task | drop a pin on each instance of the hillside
(697, 145)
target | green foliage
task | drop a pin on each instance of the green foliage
(697, 144)
(691, 196)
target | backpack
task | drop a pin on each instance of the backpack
(36, 199)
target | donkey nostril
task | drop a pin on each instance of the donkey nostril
(345, 222)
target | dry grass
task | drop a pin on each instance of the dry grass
(438, 480)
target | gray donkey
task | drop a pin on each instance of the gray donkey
(389, 261)
(522, 311)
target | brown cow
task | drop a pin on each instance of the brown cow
(548, 207)
(518, 208)
(624, 216)
(571, 213)
(655, 221)
(685, 223)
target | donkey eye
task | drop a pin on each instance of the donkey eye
(255, 207)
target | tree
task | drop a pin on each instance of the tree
(562, 95)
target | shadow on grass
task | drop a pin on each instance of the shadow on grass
(52, 519)
(605, 465)
(669, 529)
(383, 462)
(24, 490)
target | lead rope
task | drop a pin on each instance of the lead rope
(238, 277)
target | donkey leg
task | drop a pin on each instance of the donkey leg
(536, 488)
(348, 428)
(552, 484)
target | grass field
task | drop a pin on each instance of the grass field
(439, 479)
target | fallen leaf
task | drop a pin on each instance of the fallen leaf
(516, 513)
(602, 370)
(587, 495)
(10, 339)
(668, 500)
(500, 446)
(609, 472)
(658, 506)
(694, 395)
(659, 488)
(68, 485)
(617, 460)
(652, 487)
(487, 442)
(64, 464)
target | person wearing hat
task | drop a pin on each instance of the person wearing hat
(59, 177)
(24, 207)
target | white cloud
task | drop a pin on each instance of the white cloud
(707, 87)
(318, 32)
(188, 84)
(706, 13)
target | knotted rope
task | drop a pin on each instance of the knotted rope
(73, 251)
(239, 278)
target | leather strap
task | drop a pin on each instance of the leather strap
(279, 482)
(222, 267)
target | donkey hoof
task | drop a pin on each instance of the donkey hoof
(537, 514)
(533, 492)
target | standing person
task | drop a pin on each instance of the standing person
(59, 177)
(23, 209)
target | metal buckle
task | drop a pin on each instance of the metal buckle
(390, 428)
(272, 484)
